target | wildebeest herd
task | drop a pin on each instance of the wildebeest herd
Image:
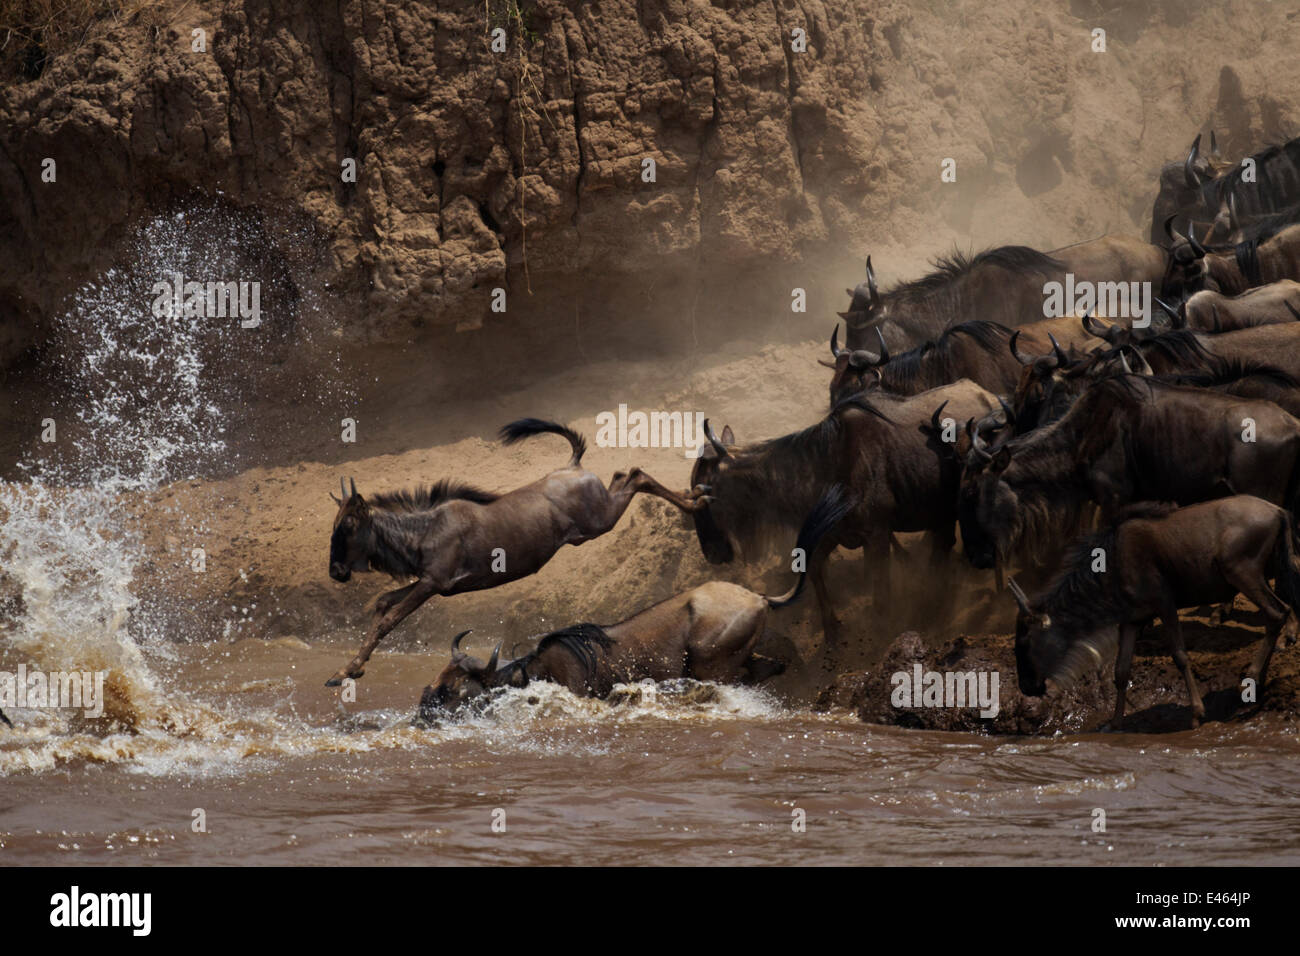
(1125, 460)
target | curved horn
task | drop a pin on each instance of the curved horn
(861, 358)
(934, 419)
(353, 482)
(1089, 322)
(835, 341)
(1175, 320)
(492, 661)
(1006, 410)
(1214, 146)
(1015, 353)
(455, 641)
(1061, 359)
(1191, 238)
(343, 489)
(1145, 368)
(1018, 593)
(1173, 234)
(720, 448)
(977, 444)
(1189, 165)
(884, 349)
(871, 283)
(1123, 361)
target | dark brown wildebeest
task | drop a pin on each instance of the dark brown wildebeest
(878, 446)
(1270, 256)
(1159, 558)
(1005, 285)
(453, 538)
(1217, 195)
(1125, 439)
(706, 633)
(986, 353)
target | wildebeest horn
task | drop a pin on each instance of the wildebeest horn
(934, 419)
(1173, 234)
(720, 448)
(1015, 353)
(1089, 322)
(884, 349)
(1061, 359)
(1189, 165)
(1006, 410)
(861, 358)
(976, 443)
(1123, 361)
(1018, 593)
(353, 482)
(1214, 146)
(1175, 319)
(343, 489)
(455, 641)
(1191, 238)
(492, 661)
(835, 341)
(871, 283)
(1233, 222)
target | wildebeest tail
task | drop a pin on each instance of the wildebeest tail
(829, 511)
(527, 427)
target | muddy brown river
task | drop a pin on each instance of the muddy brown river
(278, 771)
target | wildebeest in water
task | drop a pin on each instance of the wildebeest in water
(1159, 558)
(454, 538)
(707, 633)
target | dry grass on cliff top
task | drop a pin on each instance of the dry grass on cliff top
(34, 31)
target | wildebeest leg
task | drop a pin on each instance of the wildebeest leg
(385, 602)
(1123, 669)
(1279, 617)
(817, 574)
(1178, 651)
(941, 545)
(420, 592)
(624, 487)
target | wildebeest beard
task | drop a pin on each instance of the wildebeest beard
(772, 486)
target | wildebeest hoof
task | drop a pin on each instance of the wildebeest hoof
(346, 672)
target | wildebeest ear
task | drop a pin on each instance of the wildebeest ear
(1001, 459)
(727, 437)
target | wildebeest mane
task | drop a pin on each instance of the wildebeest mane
(1276, 180)
(584, 641)
(945, 270)
(1223, 371)
(1181, 346)
(936, 357)
(423, 497)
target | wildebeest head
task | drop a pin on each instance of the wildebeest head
(351, 539)
(713, 461)
(855, 369)
(1186, 272)
(464, 679)
(866, 307)
(987, 507)
(1040, 645)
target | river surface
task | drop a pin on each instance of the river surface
(679, 774)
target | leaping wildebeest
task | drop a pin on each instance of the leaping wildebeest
(1159, 558)
(453, 538)
(706, 633)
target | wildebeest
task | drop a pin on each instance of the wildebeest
(1125, 439)
(1205, 189)
(879, 446)
(1003, 285)
(1159, 558)
(1271, 304)
(454, 538)
(706, 633)
(1266, 257)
